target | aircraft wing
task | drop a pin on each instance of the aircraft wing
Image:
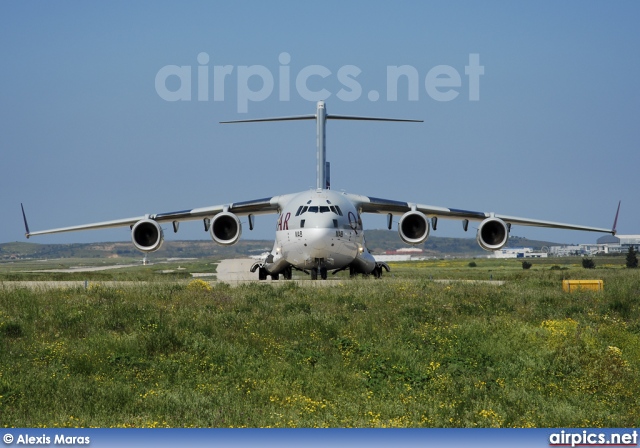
(252, 207)
(367, 204)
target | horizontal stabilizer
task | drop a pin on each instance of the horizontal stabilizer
(328, 117)
(255, 120)
(353, 117)
(321, 116)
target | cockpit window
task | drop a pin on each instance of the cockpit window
(318, 209)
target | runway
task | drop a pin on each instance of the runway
(87, 268)
(232, 271)
(65, 284)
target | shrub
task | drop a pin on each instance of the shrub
(12, 330)
(199, 285)
(632, 258)
(588, 263)
(472, 264)
(526, 265)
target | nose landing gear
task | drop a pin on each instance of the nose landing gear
(322, 269)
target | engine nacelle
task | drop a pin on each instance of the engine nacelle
(493, 234)
(225, 229)
(147, 235)
(413, 227)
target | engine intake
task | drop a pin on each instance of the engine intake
(413, 227)
(225, 229)
(147, 235)
(493, 234)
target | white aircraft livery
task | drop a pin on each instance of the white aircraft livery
(319, 231)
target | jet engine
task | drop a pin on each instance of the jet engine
(413, 227)
(493, 234)
(225, 229)
(147, 235)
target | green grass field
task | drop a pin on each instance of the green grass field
(404, 351)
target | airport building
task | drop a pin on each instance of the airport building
(403, 254)
(608, 244)
(518, 252)
(578, 250)
(625, 241)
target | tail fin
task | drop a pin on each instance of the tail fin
(26, 225)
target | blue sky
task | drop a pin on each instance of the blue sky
(86, 136)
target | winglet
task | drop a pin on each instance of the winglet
(26, 225)
(614, 230)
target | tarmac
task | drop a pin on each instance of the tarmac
(232, 271)
(236, 270)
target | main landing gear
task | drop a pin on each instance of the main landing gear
(377, 271)
(317, 272)
(262, 273)
(287, 273)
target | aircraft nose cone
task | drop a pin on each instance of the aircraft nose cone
(318, 239)
(319, 242)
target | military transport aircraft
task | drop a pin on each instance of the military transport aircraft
(319, 230)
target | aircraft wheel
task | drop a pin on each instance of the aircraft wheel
(287, 273)
(275, 276)
(314, 273)
(262, 274)
(323, 273)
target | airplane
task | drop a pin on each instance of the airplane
(319, 230)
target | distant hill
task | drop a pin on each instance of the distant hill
(125, 249)
(378, 242)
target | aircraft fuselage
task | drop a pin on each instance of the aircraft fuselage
(320, 229)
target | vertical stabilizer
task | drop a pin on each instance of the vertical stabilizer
(321, 134)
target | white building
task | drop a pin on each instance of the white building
(606, 245)
(518, 252)
(578, 250)
(620, 243)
